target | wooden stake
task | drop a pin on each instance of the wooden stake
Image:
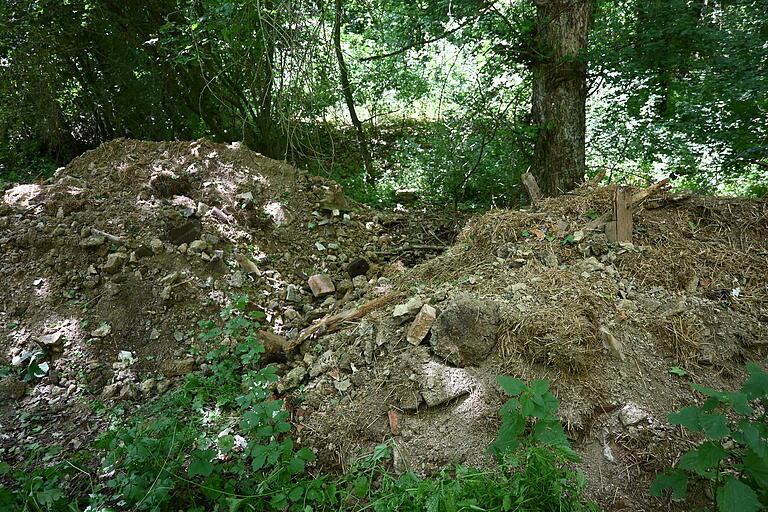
(533, 188)
(622, 212)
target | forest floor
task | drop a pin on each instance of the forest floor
(108, 267)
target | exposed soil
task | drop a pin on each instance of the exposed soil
(108, 267)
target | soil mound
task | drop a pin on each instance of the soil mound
(109, 266)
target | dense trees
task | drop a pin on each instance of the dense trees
(456, 98)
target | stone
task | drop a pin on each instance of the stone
(342, 386)
(439, 383)
(246, 265)
(157, 245)
(578, 236)
(110, 391)
(421, 325)
(185, 233)
(291, 379)
(102, 331)
(52, 342)
(321, 285)
(408, 309)
(548, 258)
(236, 280)
(466, 331)
(344, 286)
(178, 367)
(163, 386)
(631, 414)
(360, 282)
(12, 388)
(358, 267)
(197, 246)
(292, 294)
(147, 386)
(93, 242)
(145, 251)
(115, 262)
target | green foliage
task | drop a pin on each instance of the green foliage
(734, 459)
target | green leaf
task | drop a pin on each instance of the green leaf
(511, 385)
(361, 485)
(540, 386)
(740, 404)
(512, 425)
(687, 417)
(259, 455)
(757, 383)
(307, 454)
(705, 458)
(550, 432)
(677, 480)
(295, 466)
(715, 425)
(4, 468)
(756, 467)
(201, 463)
(736, 496)
(676, 370)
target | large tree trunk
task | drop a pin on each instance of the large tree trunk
(346, 90)
(560, 93)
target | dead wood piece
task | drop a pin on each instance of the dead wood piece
(644, 194)
(329, 324)
(533, 188)
(668, 200)
(597, 179)
(598, 223)
(407, 248)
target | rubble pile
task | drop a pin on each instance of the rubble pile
(110, 265)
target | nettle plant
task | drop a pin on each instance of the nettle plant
(219, 441)
(734, 458)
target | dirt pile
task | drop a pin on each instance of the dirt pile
(109, 266)
(535, 294)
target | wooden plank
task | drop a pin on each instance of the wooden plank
(622, 212)
(533, 188)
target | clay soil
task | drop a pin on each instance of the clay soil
(108, 266)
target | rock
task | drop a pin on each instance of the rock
(51, 342)
(358, 267)
(342, 385)
(403, 311)
(157, 245)
(321, 285)
(548, 258)
(405, 196)
(163, 386)
(147, 386)
(166, 292)
(439, 383)
(93, 242)
(184, 233)
(292, 294)
(109, 391)
(115, 262)
(145, 251)
(631, 414)
(344, 286)
(12, 388)
(236, 280)
(292, 379)
(197, 246)
(170, 278)
(102, 331)
(421, 325)
(246, 265)
(178, 367)
(466, 331)
(274, 346)
(578, 236)
(599, 244)
(360, 282)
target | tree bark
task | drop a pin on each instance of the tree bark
(560, 93)
(346, 90)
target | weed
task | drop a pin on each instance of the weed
(734, 458)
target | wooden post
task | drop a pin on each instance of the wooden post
(533, 188)
(622, 212)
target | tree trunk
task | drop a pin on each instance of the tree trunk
(346, 90)
(560, 93)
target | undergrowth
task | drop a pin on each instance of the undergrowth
(222, 443)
